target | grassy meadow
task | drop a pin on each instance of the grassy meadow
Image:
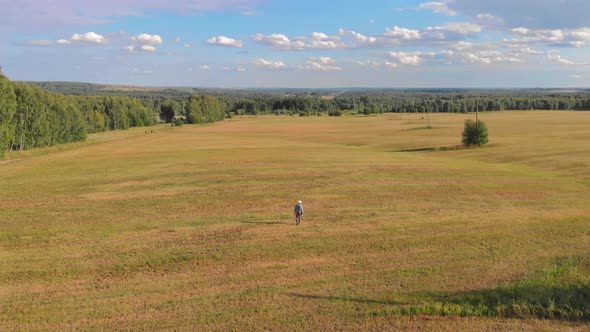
(191, 228)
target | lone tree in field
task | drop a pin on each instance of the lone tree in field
(475, 133)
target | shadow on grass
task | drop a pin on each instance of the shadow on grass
(431, 149)
(345, 299)
(562, 292)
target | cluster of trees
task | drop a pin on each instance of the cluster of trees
(32, 117)
(110, 113)
(204, 109)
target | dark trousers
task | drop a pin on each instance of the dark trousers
(297, 219)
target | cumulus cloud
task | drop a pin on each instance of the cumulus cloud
(322, 63)
(278, 41)
(360, 38)
(582, 34)
(88, 37)
(556, 58)
(463, 28)
(407, 58)
(141, 48)
(204, 67)
(225, 41)
(146, 39)
(557, 37)
(319, 40)
(438, 7)
(350, 39)
(63, 41)
(402, 33)
(260, 62)
(528, 50)
(148, 48)
(316, 40)
(377, 65)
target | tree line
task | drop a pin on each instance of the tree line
(32, 117)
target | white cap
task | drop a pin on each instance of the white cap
(298, 202)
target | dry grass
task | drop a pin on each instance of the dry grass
(190, 228)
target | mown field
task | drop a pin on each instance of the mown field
(191, 228)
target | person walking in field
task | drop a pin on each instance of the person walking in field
(298, 212)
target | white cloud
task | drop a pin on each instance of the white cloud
(376, 65)
(269, 64)
(316, 40)
(278, 41)
(63, 41)
(463, 28)
(225, 41)
(582, 34)
(204, 67)
(556, 58)
(319, 40)
(146, 39)
(322, 63)
(520, 31)
(528, 50)
(438, 7)
(178, 40)
(141, 48)
(148, 48)
(402, 33)
(537, 36)
(88, 37)
(576, 76)
(407, 58)
(188, 45)
(362, 39)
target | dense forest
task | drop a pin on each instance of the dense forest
(49, 113)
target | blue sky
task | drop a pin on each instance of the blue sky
(273, 43)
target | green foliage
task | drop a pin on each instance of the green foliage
(475, 133)
(31, 117)
(168, 110)
(204, 109)
(7, 110)
(178, 122)
(335, 113)
(562, 292)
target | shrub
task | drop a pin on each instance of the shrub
(178, 122)
(335, 113)
(475, 133)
